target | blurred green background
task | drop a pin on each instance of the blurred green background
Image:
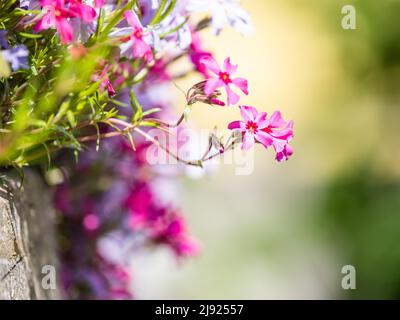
(286, 230)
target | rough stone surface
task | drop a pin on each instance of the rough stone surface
(27, 237)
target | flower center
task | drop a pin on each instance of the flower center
(138, 34)
(267, 130)
(252, 127)
(224, 77)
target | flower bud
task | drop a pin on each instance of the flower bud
(197, 94)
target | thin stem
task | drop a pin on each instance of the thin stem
(195, 163)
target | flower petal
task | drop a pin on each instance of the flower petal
(261, 120)
(248, 141)
(284, 154)
(234, 125)
(133, 19)
(211, 85)
(276, 120)
(279, 144)
(248, 113)
(46, 22)
(242, 84)
(233, 98)
(142, 49)
(85, 12)
(64, 28)
(210, 63)
(229, 67)
(264, 138)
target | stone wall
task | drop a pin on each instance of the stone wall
(27, 237)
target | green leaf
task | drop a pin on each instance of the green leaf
(151, 111)
(137, 109)
(30, 35)
(71, 118)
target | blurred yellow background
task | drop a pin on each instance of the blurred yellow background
(286, 230)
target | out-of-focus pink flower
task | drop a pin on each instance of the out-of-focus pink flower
(197, 53)
(140, 203)
(224, 79)
(58, 14)
(139, 46)
(172, 231)
(105, 81)
(91, 222)
(83, 11)
(162, 224)
(120, 294)
(99, 3)
(273, 131)
(158, 72)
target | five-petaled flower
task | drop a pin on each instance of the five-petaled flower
(224, 79)
(139, 38)
(274, 131)
(58, 14)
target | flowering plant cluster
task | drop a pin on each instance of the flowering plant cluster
(94, 77)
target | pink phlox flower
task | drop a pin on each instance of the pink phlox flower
(81, 10)
(224, 79)
(138, 39)
(58, 14)
(141, 206)
(197, 53)
(160, 223)
(274, 131)
(281, 132)
(172, 231)
(158, 72)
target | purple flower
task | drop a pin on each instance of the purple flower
(17, 57)
(3, 40)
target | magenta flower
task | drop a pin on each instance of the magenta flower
(83, 11)
(172, 230)
(99, 3)
(138, 37)
(197, 53)
(224, 79)
(91, 222)
(105, 83)
(274, 131)
(58, 15)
